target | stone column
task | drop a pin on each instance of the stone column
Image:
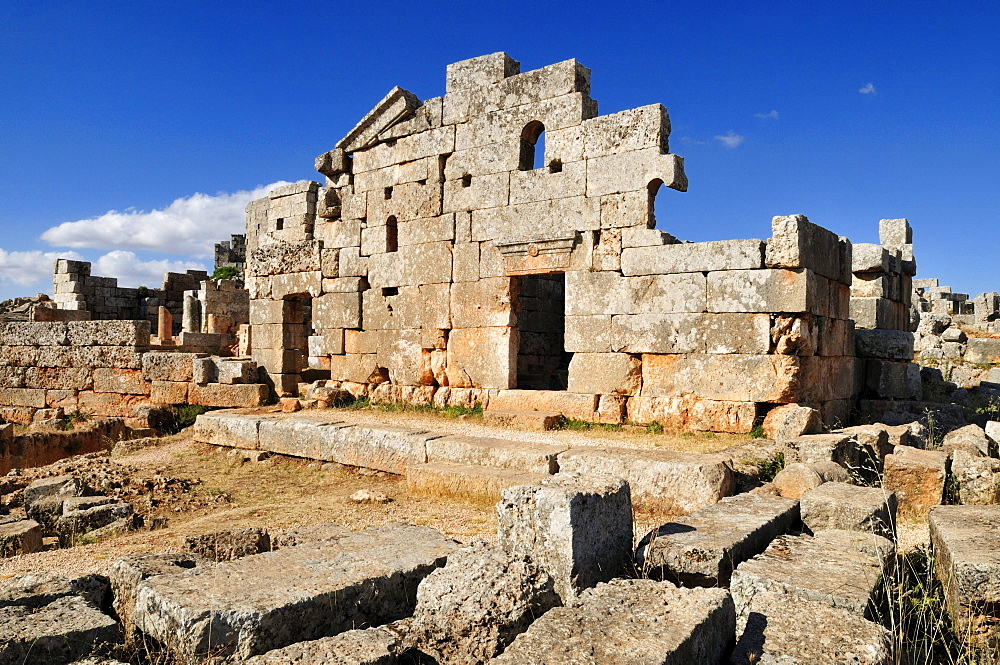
(165, 325)
(192, 313)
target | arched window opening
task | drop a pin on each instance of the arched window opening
(653, 187)
(532, 146)
(391, 234)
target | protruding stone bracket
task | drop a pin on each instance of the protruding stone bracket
(538, 255)
(394, 107)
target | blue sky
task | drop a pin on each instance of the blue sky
(171, 115)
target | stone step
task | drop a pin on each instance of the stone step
(467, 481)
(530, 420)
(705, 547)
(664, 480)
(252, 605)
(629, 621)
(835, 567)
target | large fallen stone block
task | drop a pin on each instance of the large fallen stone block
(577, 528)
(630, 621)
(372, 646)
(796, 479)
(916, 477)
(20, 537)
(39, 589)
(473, 608)
(790, 421)
(835, 567)
(128, 572)
(227, 429)
(786, 630)
(495, 453)
(230, 544)
(703, 548)
(971, 437)
(844, 449)
(661, 479)
(266, 601)
(76, 522)
(966, 544)
(849, 507)
(978, 478)
(62, 631)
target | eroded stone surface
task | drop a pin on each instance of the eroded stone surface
(64, 630)
(845, 506)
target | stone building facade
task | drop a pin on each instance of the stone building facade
(501, 239)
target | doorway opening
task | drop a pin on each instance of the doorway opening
(540, 306)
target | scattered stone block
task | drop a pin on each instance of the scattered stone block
(62, 631)
(530, 420)
(230, 544)
(844, 449)
(472, 609)
(266, 601)
(20, 537)
(796, 479)
(849, 507)
(478, 483)
(660, 479)
(966, 545)
(495, 453)
(369, 497)
(971, 437)
(39, 589)
(917, 477)
(578, 529)
(372, 646)
(74, 523)
(705, 547)
(617, 622)
(227, 429)
(835, 567)
(129, 571)
(791, 421)
(886, 344)
(780, 628)
(977, 477)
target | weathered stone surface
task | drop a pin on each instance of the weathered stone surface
(790, 421)
(971, 436)
(705, 547)
(577, 529)
(59, 632)
(494, 453)
(266, 601)
(129, 571)
(782, 629)
(693, 257)
(77, 521)
(55, 489)
(690, 413)
(372, 646)
(227, 429)
(623, 620)
(471, 609)
(605, 374)
(840, 448)
(20, 537)
(580, 406)
(531, 420)
(889, 344)
(796, 479)
(837, 568)
(966, 545)
(218, 394)
(478, 483)
(978, 478)
(736, 378)
(664, 479)
(229, 545)
(851, 508)
(798, 243)
(916, 477)
(982, 350)
(39, 589)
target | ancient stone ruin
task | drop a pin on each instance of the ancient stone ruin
(497, 248)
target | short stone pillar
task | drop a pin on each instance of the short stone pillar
(191, 321)
(577, 529)
(164, 325)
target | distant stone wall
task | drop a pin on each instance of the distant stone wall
(232, 253)
(105, 368)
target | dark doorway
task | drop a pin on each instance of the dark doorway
(542, 362)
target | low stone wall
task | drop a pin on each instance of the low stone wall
(40, 448)
(105, 368)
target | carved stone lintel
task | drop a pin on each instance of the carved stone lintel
(537, 255)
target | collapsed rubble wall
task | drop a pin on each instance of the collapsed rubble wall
(446, 238)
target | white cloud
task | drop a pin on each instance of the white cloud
(730, 139)
(30, 268)
(867, 89)
(190, 225)
(770, 115)
(691, 141)
(132, 271)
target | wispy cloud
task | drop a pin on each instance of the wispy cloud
(30, 268)
(770, 115)
(190, 225)
(867, 89)
(133, 271)
(690, 141)
(731, 139)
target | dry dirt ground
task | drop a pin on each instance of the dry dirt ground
(197, 488)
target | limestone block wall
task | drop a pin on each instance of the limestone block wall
(76, 289)
(448, 249)
(232, 253)
(105, 368)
